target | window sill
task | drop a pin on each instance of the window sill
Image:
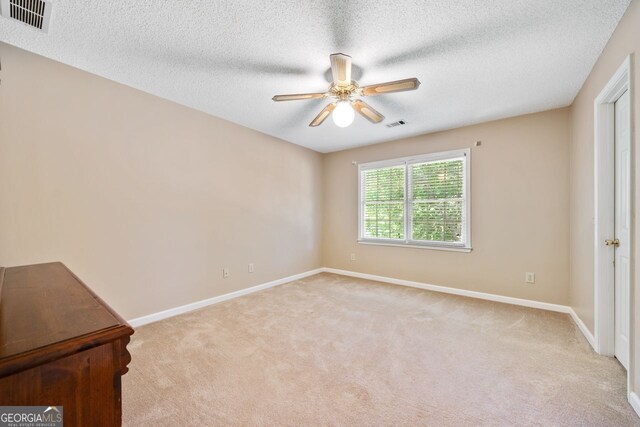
(409, 245)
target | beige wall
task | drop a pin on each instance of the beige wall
(144, 199)
(147, 200)
(519, 210)
(624, 41)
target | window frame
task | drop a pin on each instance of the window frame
(463, 246)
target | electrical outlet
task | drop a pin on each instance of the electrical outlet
(251, 269)
(225, 273)
(353, 257)
(530, 277)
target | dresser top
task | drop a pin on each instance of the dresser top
(46, 311)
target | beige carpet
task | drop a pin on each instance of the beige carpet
(332, 350)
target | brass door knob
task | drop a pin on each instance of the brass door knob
(612, 242)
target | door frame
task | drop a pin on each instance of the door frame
(604, 156)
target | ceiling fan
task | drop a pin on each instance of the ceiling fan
(342, 92)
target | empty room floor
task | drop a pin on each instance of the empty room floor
(334, 350)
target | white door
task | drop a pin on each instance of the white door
(622, 228)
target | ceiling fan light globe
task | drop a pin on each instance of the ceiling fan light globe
(343, 115)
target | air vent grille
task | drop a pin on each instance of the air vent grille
(398, 123)
(34, 13)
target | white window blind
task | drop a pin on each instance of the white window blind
(384, 202)
(437, 201)
(422, 200)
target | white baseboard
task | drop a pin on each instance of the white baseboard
(455, 291)
(473, 294)
(583, 328)
(462, 292)
(139, 321)
(634, 400)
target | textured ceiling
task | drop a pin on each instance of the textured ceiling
(477, 60)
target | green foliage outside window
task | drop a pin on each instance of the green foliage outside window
(384, 203)
(437, 202)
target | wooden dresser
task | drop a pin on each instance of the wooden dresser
(60, 345)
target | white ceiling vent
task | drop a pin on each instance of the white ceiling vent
(35, 13)
(398, 123)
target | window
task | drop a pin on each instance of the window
(416, 201)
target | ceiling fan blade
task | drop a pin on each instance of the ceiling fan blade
(367, 111)
(341, 69)
(298, 96)
(326, 111)
(397, 86)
